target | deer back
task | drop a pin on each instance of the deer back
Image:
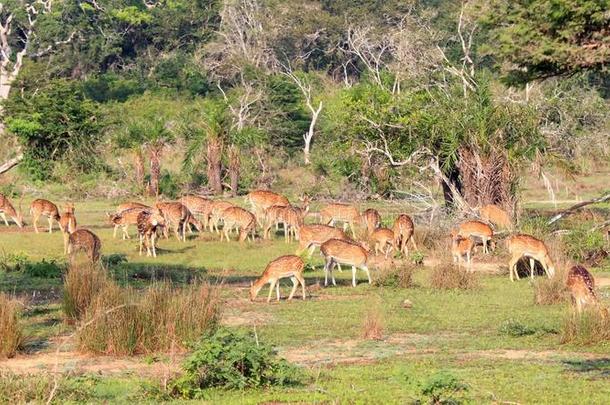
(319, 234)
(128, 205)
(339, 212)
(344, 252)
(475, 228)
(261, 199)
(44, 207)
(495, 215)
(580, 282)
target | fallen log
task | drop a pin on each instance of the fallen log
(578, 206)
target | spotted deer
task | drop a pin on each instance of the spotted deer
(337, 212)
(403, 229)
(527, 246)
(383, 240)
(177, 216)
(125, 218)
(479, 230)
(84, 240)
(6, 208)
(131, 204)
(371, 220)
(260, 200)
(67, 224)
(282, 267)
(291, 217)
(581, 285)
(41, 207)
(311, 236)
(496, 216)
(461, 247)
(344, 252)
(148, 223)
(198, 206)
(217, 209)
(242, 220)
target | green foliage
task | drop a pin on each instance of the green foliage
(13, 261)
(586, 246)
(43, 269)
(395, 277)
(516, 328)
(111, 87)
(232, 360)
(442, 387)
(542, 38)
(20, 389)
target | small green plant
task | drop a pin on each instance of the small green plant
(11, 333)
(536, 226)
(515, 328)
(114, 259)
(43, 269)
(395, 277)
(417, 258)
(13, 261)
(232, 360)
(442, 387)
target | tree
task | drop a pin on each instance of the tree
(534, 39)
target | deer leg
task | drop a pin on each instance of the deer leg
(277, 289)
(368, 273)
(66, 237)
(532, 267)
(141, 242)
(4, 218)
(295, 285)
(311, 249)
(50, 225)
(35, 222)
(114, 233)
(413, 241)
(326, 272)
(301, 280)
(353, 276)
(332, 266)
(271, 285)
(512, 268)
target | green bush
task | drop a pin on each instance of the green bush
(586, 246)
(13, 261)
(396, 277)
(441, 388)
(43, 269)
(232, 360)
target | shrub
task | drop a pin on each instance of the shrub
(586, 246)
(372, 327)
(20, 389)
(441, 388)
(232, 360)
(397, 277)
(549, 291)
(81, 284)
(121, 321)
(590, 327)
(515, 328)
(11, 333)
(43, 269)
(13, 261)
(447, 276)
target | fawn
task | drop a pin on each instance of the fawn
(383, 239)
(84, 239)
(581, 285)
(371, 220)
(67, 224)
(461, 247)
(403, 232)
(480, 230)
(148, 223)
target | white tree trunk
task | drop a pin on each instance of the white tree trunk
(315, 113)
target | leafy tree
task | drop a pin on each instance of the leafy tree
(542, 38)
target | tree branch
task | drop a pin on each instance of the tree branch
(8, 165)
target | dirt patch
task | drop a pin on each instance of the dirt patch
(487, 267)
(516, 354)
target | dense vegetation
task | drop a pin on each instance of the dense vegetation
(166, 96)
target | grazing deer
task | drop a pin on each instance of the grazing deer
(581, 285)
(260, 200)
(177, 216)
(344, 252)
(240, 219)
(496, 216)
(198, 206)
(480, 230)
(84, 239)
(216, 212)
(338, 212)
(403, 232)
(291, 218)
(311, 236)
(371, 220)
(124, 219)
(148, 223)
(6, 208)
(527, 246)
(383, 238)
(131, 204)
(41, 207)
(461, 247)
(282, 267)
(67, 224)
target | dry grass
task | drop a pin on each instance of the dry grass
(37, 389)
(590, 327)
(81, 284)
(372, 327)
(122, 321)
(11, 333)
(447, 276)
(400, 276)
(549, 291)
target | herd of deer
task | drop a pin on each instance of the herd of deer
(270, 209)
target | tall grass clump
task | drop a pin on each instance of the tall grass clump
(372, 327)
(400, 276)
(22, 389)
(447, 276)
(122, 321)
(11, 332)
(549, 291)
(81, 284)
(590, 327)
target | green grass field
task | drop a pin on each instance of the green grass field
(470, 335)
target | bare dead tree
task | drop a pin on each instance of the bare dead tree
(234, 168)
(305, 87)
(244, 110)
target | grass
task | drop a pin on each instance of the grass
(447, 331)
(11, 333)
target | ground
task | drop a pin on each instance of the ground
(462, 333)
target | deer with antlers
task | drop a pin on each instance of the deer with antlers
(338, 212)
(289, 266)
(239, 219)
(581, 285)
(41, 207)
(338, 251)
(67, 224)
(527, 246)
(6, 208)
(404, 230)
(148, 224)
(84, 240)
